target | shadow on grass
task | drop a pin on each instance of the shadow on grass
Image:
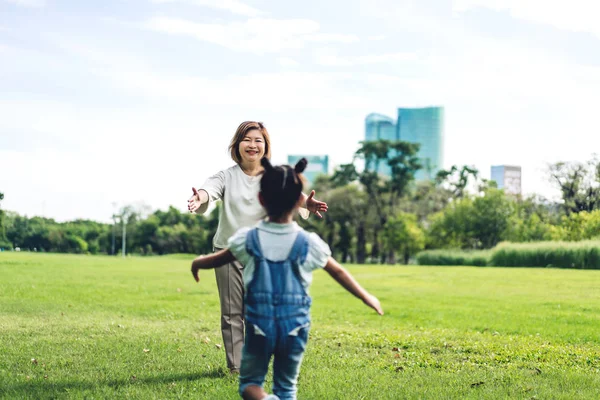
(48, 387)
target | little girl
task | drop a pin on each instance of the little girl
(279, 257)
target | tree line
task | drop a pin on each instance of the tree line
(371, 218)
(161, 232)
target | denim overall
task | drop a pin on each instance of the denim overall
(277, 318)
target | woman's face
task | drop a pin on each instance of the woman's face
(252, 147)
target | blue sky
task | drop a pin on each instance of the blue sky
(135, 101)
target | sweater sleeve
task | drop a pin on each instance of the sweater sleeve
(215, 188)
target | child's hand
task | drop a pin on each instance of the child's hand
(373, 302)
(209, 261)
(195, 270)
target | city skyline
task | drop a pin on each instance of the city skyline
(422, 125)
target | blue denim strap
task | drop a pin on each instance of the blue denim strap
(252, 244)
(299, 249)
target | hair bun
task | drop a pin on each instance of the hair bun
(266, 164)
(300, 165)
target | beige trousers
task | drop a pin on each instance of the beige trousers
(231, 296)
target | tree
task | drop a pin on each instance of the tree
(534, 219)
(457, 179)
(384, 193)
(580, 226)
(402, 233)
(476, 223)
(491, 216)
(403, 162)
(532, 229)
(146, 235)
(354, 217)
(451, 227)
(427, 198)
(3, 241)
(579, 184)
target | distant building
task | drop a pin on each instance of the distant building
(426, 127)
(507, 177)
(418, 125)
(378, 127)
(317, 165)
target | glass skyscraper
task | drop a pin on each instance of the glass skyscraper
(426, 127)
(418, 125)
(377, 127)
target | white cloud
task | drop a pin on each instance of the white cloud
(233, 6)
(28, 3)
(396, 18)
(575, 15)
(287, 62)
(257, 35)
(311, 90)
(331, 37)
(329, 58)
(272, 91)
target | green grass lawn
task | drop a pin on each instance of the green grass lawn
(101, 327)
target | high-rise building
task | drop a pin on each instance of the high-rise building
(507, 177)
(377, 127)
(316, 166)
(418, 125)
(426, 127)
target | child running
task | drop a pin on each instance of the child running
(279, 257)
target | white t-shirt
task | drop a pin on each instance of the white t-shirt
(276, 241)
(241, 207)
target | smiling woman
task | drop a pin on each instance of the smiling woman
(238, 188)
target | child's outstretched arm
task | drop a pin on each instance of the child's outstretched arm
(213, 260)
(343, 277)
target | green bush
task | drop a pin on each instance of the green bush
(477, 258)
(5, 244)
(581, 255)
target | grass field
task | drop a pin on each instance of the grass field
(101, 327)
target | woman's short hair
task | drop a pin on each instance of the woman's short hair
(240, 134)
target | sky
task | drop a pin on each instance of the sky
(120, 102)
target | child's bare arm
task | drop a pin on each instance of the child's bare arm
(213, 260)
(343, 277)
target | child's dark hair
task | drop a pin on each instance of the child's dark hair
(281, 186)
